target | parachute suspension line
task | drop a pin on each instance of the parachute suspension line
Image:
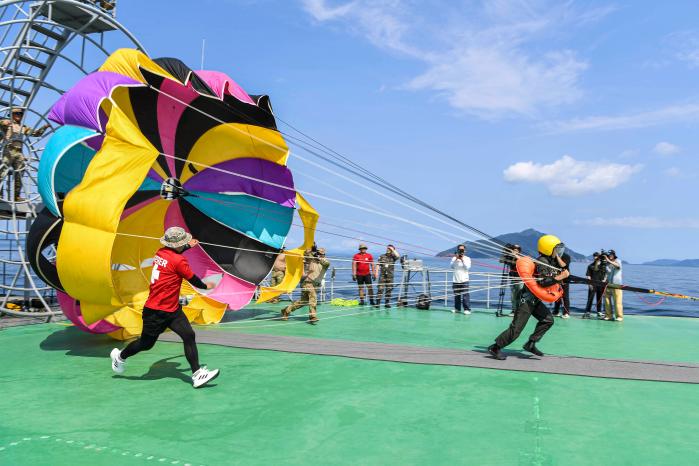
(274, 218)
(497, 250)
(496, 244)
(319, 196)
(367, 308)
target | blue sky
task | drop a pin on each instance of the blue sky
(575, 118)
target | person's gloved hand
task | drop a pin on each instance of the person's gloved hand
(354, 278)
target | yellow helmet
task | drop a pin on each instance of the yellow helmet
(547, 244)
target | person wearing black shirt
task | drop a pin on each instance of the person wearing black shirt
(564, 263)
(596, 272)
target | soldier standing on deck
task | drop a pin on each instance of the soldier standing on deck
(386, 274)
(314, 267)
(278, 272)
(12, 156)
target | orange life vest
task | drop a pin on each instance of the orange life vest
(526, 270)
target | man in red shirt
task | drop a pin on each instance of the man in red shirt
(163, 310)
(362, 269)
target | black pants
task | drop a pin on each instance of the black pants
(594, 292)
(156, 322)
(565, 300)
(462, 296)
(526, 309)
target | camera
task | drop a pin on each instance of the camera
(507, 257)
(314, 250)
(603, 256)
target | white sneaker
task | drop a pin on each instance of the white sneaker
(117, 363)
(453, 311)
(565, 316)
(203, 376)
(467, 312)
(619, 319)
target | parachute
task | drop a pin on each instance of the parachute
(148, 144)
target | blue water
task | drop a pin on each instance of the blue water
(683, 280)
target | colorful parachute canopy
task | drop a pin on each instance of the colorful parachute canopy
(145, 145)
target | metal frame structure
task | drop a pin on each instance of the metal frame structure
(39, 40)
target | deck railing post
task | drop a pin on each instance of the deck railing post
(446, 285)
(487, 302)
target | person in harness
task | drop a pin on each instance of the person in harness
(542, 283)
(12, 157)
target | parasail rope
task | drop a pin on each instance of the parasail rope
(496, 245)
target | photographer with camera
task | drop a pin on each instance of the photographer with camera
(615, 295)
(597, 272)
(564, 262)
(314, 267)
(509, 257)
(461, 264)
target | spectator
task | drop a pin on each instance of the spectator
(278, 272)
(614, 295)
(363, 268)
(597, 273)
(386, 275)
(564, 262)
(314, 267)
(461, 264)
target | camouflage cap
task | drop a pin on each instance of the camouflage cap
(362, 246)
(175, 237)
(17, 110)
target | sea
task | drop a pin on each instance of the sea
(486, 276)
(486, 281)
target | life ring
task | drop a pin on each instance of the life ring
(526, 269)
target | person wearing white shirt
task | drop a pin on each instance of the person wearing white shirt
(460, 264)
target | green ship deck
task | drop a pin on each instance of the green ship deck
(276, 404)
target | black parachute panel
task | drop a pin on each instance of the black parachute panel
(184, 74)
(239, 255)
(42, 242)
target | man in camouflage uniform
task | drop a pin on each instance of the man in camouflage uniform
(387, 266)
(12, 157)
(314, 267)
(278, 272)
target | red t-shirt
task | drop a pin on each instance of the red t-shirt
(169, 268)
(363, 261)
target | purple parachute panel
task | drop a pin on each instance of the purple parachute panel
(80, 106)
(258, 177)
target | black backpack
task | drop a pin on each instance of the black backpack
(423, 302)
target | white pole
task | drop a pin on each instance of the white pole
(446, 284)
(203, 46)
(487, 302)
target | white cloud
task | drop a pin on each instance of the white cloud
(686, 47)
(641, 222)
(674, 172)
(570, 177)
(645, 119)
(666, 148)
(322, 12)
(476, 58)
